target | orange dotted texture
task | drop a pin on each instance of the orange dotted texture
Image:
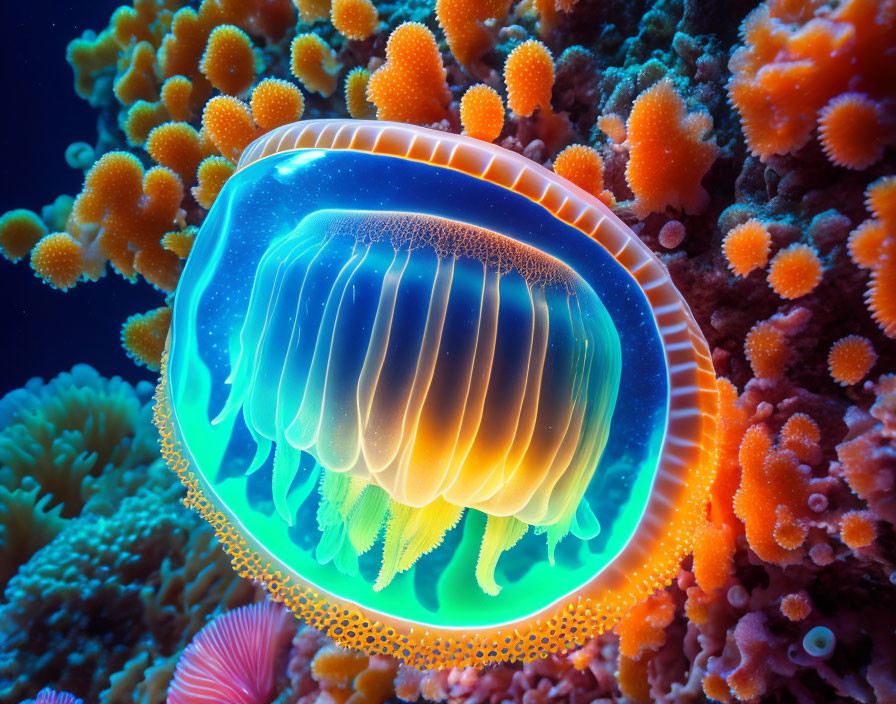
(20, 230)
(767, 350)
(799, 56)
(143, 336)
(354, 19)
(529, 77)
(795, 271)
(679, 510)
(853, 131)
(57, 259)
(463, 22)
(356, 94)
(669, 152)
(872, 245)
(276, 102)
(228, 62)
(746, 247)
(177, 146)
(134, 209)
(850, 359)
(229, 124)
(482, 113)
(583, 166)
(411, 86)
(313, 62)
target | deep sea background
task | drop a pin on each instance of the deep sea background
(42, 332)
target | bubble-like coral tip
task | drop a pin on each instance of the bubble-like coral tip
(795, 271)
(276, 102)
(354, 19)
(482, 113)
(746, 247)
(850, 359)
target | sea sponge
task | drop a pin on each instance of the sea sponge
(529, 77)
(138, 81)
(313, 62)
(853, 131)
(463, 22)
(354, 19)
(850, 359)
(411, 86)
(58, 259)
(482, 113)
(276, 102)
(176, 145)
(235, 658)
(143, 336)
(795, 271)
(212, 175)
(766, 349)
(356, 94)
(746, 247)
(796, 58)
(669, 152)
(20, 230)
(228, 62)
(229, 124)
(583, 166)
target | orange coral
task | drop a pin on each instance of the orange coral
(139, 81)
(354, 19)
(229, 124)
(143, 336)
(643, 626)
(613, 126)
(713, 553)
(583, 166)
(873, 245)
(529, 77)
(850, 359)
(212, 175)
(176, 94)
(766, 350)
(228, 62)
(795, 607)
(716, 688)
(354, 678)
(857, 529)
(134, 210)
(312, 10)
(176, 145)
(795, 271)
(356, 94)
(20, 230)
(91, 58)
(482, 113)
(746, 247)
(632, 678)
(141, 119)
(57, 259)
(669, 153)
(411, 86)
(313, 62)
(852, 131)
(181, 242)
(796, 58)
(276, 102)
(801, 435)
(463, 22)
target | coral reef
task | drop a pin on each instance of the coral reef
(776, 222)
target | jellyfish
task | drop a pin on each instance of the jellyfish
(439, 400)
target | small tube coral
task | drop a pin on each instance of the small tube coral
(234, 658)
(850, 359)
(313, 62)
(57, 259)
(354, 19)
(229, 124)
(669, 152)
(819, 642)
(795, 271)
(276, 102)
(746, 247)
(20, 230)
(411, 86)
(529, 77)
(228, 62)
(482, 113)
(356, 94)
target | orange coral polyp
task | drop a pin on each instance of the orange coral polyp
(746, 247)
(176, 145)
(57, 259)
(463, 22)
(229, 124)
(583, 166)
(313, 62)
(176, 95)
(143, 336)
(850, 359)
(212, 175)
(795, 607)
(795, 271)
(851, 131)
(482, 113)
(858, 529)
(411, 86)
(276, 102)
(20, 230)
(669, 152)
(766, 350)
(356, 94)
(354, 19)
(228, 62)
(139, 81)
(529, 77)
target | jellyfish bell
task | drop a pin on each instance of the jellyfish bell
(441, 401)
